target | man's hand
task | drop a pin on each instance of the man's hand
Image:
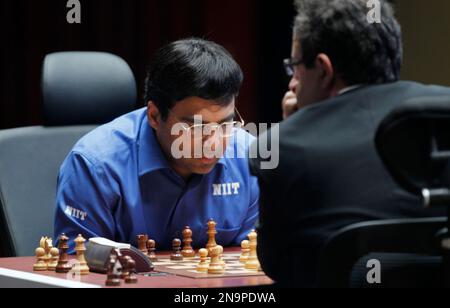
(289, 104)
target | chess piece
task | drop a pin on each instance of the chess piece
(203, 266)
(222, 261)
(245, 245)
(187, 251)
(151, 248)
(142, 243)
(113, 272)
(252, 260)
(47, 244)
(215, 267)
(131, 277)
(54, 257)
(176, 247)
(81, 266)
(63, 262)
(125, 268)
(211, 234)
(40, 265)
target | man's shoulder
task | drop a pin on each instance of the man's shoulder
(379, 97)
(118, 136)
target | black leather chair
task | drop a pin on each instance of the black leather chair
(80, 91)
(414, 144)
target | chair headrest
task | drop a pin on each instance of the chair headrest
(86, 88)
(414, 143)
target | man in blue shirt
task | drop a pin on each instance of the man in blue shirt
(128, 177)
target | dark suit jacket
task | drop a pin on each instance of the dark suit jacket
(329, 177)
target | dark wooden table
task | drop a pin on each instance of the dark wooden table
(25, 264)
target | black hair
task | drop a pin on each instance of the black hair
(192, 68)
(361, 52)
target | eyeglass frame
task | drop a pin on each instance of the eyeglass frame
(193, 127)
(289, 66)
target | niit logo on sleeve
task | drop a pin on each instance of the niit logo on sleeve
(75, 213)
(226, 189)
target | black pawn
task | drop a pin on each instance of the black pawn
(131, 278)
(176, 247)
(113, 277)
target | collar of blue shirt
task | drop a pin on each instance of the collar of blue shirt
(150, 156)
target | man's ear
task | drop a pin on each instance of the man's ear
(326, 71)
(154, 116)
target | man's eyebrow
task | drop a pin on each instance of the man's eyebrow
(192, 119)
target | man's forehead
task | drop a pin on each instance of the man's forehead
(211, 111)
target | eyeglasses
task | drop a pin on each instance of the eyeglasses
(202, 131)
(289, 66)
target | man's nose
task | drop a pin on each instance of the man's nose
(293, 84)
(212, 137)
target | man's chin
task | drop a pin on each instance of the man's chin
(204, 166)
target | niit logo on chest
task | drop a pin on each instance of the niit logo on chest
(226, 189)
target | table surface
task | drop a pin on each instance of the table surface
(25, 264)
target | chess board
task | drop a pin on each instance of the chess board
(187, 267)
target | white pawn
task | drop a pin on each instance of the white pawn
(40, 266)
(54, 253)
(245, 245)
(215, 267)
(81, 266)
(222, 261)
(252, 261)
(203, 266)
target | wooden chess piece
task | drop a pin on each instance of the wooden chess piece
(142, 243)
(131, 278)
(125, 268)
(176, 247)
(113, 272)
(81, 266)
(40, 265)
(187, 251)
(151, 248)
(215, 267)
(245, 245)
(63, 262)
(47, 244)
(221, 260)
(54, 257)
(252, 260)
(203, 266)
(211, 234)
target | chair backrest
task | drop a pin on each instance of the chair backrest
(81, 90)
(414, 143)
(403, 236)
(85, 88)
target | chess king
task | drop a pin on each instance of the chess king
(143, 174)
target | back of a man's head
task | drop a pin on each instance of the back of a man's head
(361, 52)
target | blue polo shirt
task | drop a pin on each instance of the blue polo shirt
(116, 183)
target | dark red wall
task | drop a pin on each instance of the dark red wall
(256, 32)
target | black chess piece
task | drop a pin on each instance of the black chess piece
(176, 247)
(124, 261)
(187, 251)
(63, 262)
(131, 277)
(151, 248)
(113, 274)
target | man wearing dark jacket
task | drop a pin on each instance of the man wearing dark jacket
(345, 74)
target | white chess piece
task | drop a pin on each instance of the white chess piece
(203, 266)
(252, 260)
(215, 267)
